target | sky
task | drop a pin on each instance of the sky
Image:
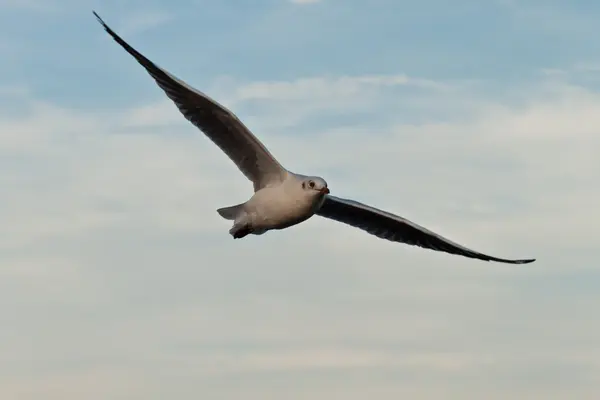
(477, 119)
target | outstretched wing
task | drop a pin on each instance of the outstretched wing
(397, 229)
(217, 122)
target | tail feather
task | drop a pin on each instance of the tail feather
(232, 212)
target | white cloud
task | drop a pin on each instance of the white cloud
(119, 279)
(327, 87)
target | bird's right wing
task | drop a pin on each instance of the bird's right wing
(217, 122)
(397, 229)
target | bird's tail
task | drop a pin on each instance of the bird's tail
(232, 212)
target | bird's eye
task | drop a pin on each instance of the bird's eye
(311, 184)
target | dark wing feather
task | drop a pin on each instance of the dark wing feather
(397, 229)
(216, 121)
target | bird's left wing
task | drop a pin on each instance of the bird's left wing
(217, 122)
(397, 229)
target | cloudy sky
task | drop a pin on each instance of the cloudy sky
(477, 119)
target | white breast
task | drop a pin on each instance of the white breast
(281, 206)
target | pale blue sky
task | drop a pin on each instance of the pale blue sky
(477, 119)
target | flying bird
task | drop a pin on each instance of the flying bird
(283, 198)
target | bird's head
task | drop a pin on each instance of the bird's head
(315, 185)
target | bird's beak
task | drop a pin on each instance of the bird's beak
(325, 190)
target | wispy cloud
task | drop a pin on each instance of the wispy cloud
(324, 87)
(118, 279)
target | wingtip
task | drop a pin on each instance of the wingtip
(526, 261)
(503, 260)
(98, 18)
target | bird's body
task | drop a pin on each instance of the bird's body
(274, 207)
(281, 198)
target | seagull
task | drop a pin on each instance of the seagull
(283, 198)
